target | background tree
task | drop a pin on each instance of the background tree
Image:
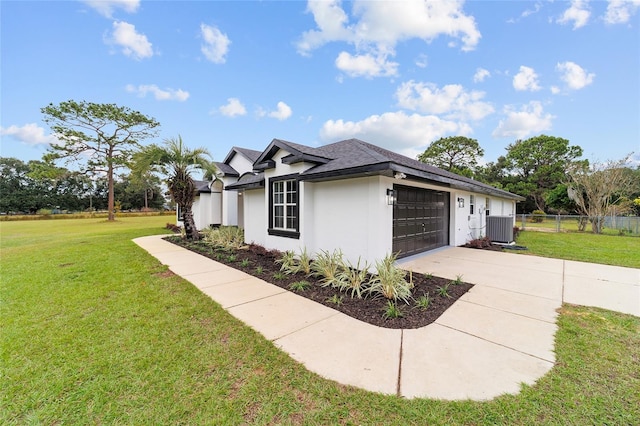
(537, 165)
(457, 154)
(102, 136)
(18, 190)
(134, 195)
(176, 162)
(493, 173)
(597, 187)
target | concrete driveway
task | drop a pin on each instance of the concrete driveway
(610, 287)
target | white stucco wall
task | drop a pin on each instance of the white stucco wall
(350, 215)
(471, 226)
(230, 199)
(255, 229)
(229, 204)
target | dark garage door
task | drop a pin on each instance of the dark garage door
(420, 220)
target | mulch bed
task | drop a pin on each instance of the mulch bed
(256, 261)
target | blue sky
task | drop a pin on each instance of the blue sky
(396, 74)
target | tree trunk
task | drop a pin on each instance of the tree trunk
(596, 224)
(110, 198)
(190, 230)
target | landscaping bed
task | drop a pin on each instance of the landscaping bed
(373, 309)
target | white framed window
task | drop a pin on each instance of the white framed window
(472, 204)
(486, 205)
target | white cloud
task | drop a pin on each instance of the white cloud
(481, 75)
(526, 79)
(452, 100)
(378, 26)
(574, 75)
(160, 95)
(620, 11)
(528, 120)
(30, 134)
(233, 108)
(106, 7)
(216, 44)
(396, 131)
(578, 13)
(133, 44)
(422, 61)
(365, 65)
(282, 112)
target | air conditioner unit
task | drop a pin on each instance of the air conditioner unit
(500, 228)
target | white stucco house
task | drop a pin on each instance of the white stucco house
(215, 206)
(361, 199)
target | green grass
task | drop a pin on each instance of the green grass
(584, 247)
(95, 331)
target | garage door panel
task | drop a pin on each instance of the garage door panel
(420, 220)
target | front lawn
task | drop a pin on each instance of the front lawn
(94, 330)
(584, 247)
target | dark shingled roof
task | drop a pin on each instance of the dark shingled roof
(202, 186)
(353, 157)
(226, 169)
(248, 181)
(249, 154)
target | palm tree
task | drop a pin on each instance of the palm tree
(176, 162)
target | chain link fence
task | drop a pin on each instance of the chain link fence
(612, 225)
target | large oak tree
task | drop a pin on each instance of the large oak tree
(101, 137)
(537, 165)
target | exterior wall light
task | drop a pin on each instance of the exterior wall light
(460, 202)
(391, 197)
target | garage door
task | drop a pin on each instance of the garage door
(420, 220)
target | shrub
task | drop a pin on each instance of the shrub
(279, 276)
(480, 243)
(299, 286)
(230, 237)
(537, 216)
(444, 291)
(173, 228)
(288, 262)
(392, 311)
(423, 301)
(353, 278)
(304, 262)
(390, 280)
(326, 267)
(293, 263)
(335, 299)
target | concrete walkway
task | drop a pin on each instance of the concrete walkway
(497, 336)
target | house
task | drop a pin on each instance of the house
(215, 206)
(361, 199)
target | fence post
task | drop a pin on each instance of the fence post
(558, 223)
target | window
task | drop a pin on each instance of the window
(486, 208)
(472, 202)
(283, 213)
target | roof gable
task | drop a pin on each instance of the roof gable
(297, 153)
